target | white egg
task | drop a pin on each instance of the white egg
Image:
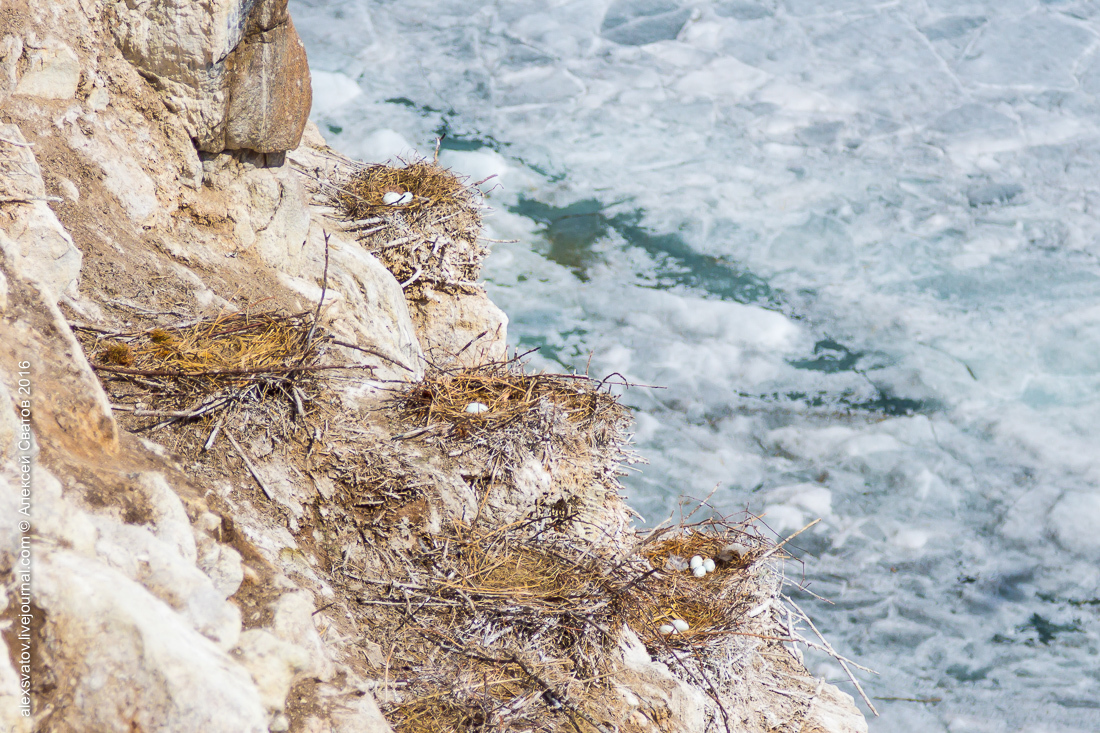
(391, 198)
(680, 625)
(477, 408)
(405, 198)
(666, 629)
(708, 565)
(699, 571)
(696, 561)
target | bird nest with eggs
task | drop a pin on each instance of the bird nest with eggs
(422, 221)
(516, 627)
(506, 415)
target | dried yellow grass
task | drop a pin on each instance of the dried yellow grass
(436, 191)
(430, 241)
(712, 605)
(511, 396)
(232, 349)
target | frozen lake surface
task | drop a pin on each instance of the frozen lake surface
(857, 242)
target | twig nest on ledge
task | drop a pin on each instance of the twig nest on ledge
(419, 219)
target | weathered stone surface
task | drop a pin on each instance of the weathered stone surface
(33, 239)
(181, 40)
(122, 175)
(10, 691)
(376, 314)
(269, 91)
(466, 328)
(834, 711)
(11, 50)
(274, 664)
(234, 70)
(127, 662)
(53, 72)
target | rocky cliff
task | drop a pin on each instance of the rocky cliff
(253, 481)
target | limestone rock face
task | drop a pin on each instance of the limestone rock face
(467, 329)
(234, 70)
(53, 72)
(35, 241)
(156, 672)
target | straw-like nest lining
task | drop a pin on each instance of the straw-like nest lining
(513, 414)
(712, 605)
(509, 628)
(430, 240)
(190, 371)
(501, 628)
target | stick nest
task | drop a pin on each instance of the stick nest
(190, 372)
(515, 628)
(498, 416)
(430, 240)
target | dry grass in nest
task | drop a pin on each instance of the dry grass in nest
(713, 605)
(199, 369)
(224, 350)
(514, 414)
(436, 192)
(508, 627)
(432, 239)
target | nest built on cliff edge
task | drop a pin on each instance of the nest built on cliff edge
(470, 525)
(482, 620)
(202, 377)
(421, 220)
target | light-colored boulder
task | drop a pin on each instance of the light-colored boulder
(130, 662)
(69, 402)
(834, 711)
(53, 72)
(275, 665)
(270, 92)
(374, 309)
(293, 622)
(464, 328)
(280, 217)
(135, 552)
(31, 237)
(11, 51)
(181, 40)
(357, 713)
(222, 564)
(12, 697)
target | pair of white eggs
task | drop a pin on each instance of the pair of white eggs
(700, 566)
(393, 198)
(678, 626)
